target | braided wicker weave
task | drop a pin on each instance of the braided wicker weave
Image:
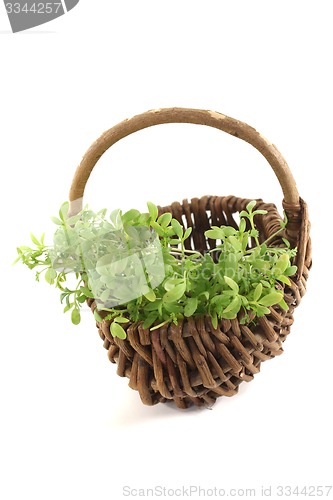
(192, 362)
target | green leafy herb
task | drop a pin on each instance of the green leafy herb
(136, 267)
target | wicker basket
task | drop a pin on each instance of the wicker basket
(194, 363)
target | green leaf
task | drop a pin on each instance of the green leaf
(230, 265)
(158, 228)
(286, 242)
(121, 319)
(130, 215)
(254, 233)
(56, 221)
(17, 258)
(177, 227)
(228, 231)
(153, 306)
(24, 248)
(191, 306)
(63, 211)
(232, 284)
(150, 296)
(153, 210)
(170, 283)
(173, 307)
(290, 271)
(261, 212)
(235, 243)
(143, 219)
(97, 316)
(229, 315)
(110, 265)
(164, 220)
(116, 218)
(283, 223)
(34, 239)
(150, 320)
(257, 292)
(283, 279)
(283, 305)
(50, 275)
(234, 306)
(214, 320)
(271, 299)
(244, 300)
(102, 213)
(250, 206)
(76, 316)
(242, 226)
(262, 265)
(87, 292)
(261, 310)
(187, 233)
(282, 264)
(104, 296)
(175, 294)
(117, 331)
(214, 234)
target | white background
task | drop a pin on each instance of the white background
(69, 427)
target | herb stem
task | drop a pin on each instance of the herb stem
(179, 252)
(160, 324)
(273, 236)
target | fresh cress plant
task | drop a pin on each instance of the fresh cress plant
(136, 267)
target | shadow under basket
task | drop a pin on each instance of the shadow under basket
(193, 362)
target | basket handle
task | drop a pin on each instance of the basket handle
(183, 115)
(298, 226)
